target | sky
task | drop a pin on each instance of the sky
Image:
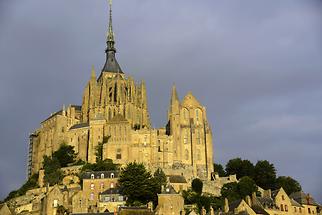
(255, 65)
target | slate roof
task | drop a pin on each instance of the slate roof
(81, 125)
(234, 204)
(177, 179)
(97, 174)
(303, 198)
(111, 64)
(110, 191)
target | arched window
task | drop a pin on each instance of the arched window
(92, 186)
(112, 185)
(102, 175)
(92, 176)
(198, 155)
(102, 185)
(186, 154)
(112, 175)
(91, 197)
(185, 137)
(198, 136)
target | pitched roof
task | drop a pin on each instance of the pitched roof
(303, 198)
(80, 125)
(97, 174)
(110, 191)
(177, 179)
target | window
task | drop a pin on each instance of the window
(185, 137)
(294, 209)
(92, 176)
(91, 196)
(198, 136)
(185, 114)
(118, 154)
(55, 203)
(309, 210)
(300, 209)
(283, 197)
(102, 175)
(186, 154)
(198, 155)
(282, 207)
(92, 186)
(121, 199)
(107, 198)
(112, 185)
(112, 175)
(286, 208)
(102, 185)
(197, 115)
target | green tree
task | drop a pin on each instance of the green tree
(53, 174)
(137, 184)
(230, 191)
(246, 186)
(289, 184)
(265, 174)
(240, 168)
(197, 185)
(31, 183)
(65, 155)
(105, 165)
(99, 152)
(160, 178)
(219, 169)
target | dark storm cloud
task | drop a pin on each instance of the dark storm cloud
(255, 65)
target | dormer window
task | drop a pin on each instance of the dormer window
(112, 175)
(102, 175)
(92, 176)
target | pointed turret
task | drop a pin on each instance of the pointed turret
(174, 94)
(111, 65)
(93, 74)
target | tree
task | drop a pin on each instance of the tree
(53, 174)
(65, 155)
(230, 191)
(265, 174)
(137, 184)
(197, 185)
(246, 186)
(99, 152)
(31, 183)
(289, 184)
(105, 165)
(160, 178)
(219, 169)
(240, 168)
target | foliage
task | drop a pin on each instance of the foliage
(53, 174)
(197, 185)
(65, 155)
(246, 186)
(289, 184)
(220, 170)
(234, 191)
(31, 183)
(99, 152)
(137, 184)
(240, 168)
(160, 178)
(230, 191)
(61, 210)
(105, 165)
(265, 174)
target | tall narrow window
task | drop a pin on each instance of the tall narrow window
(185, 137)
(186, 154)
(91, 197)
(92, 176)
(118, 154)
(198, 136)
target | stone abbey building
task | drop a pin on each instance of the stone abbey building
(114, 112)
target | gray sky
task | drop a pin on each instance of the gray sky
(255, 65)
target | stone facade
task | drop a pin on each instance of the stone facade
(114, 111)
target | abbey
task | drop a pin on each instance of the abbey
(114, 112)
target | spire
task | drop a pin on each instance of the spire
(111, 64)
(93, 74)
(174, 94)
